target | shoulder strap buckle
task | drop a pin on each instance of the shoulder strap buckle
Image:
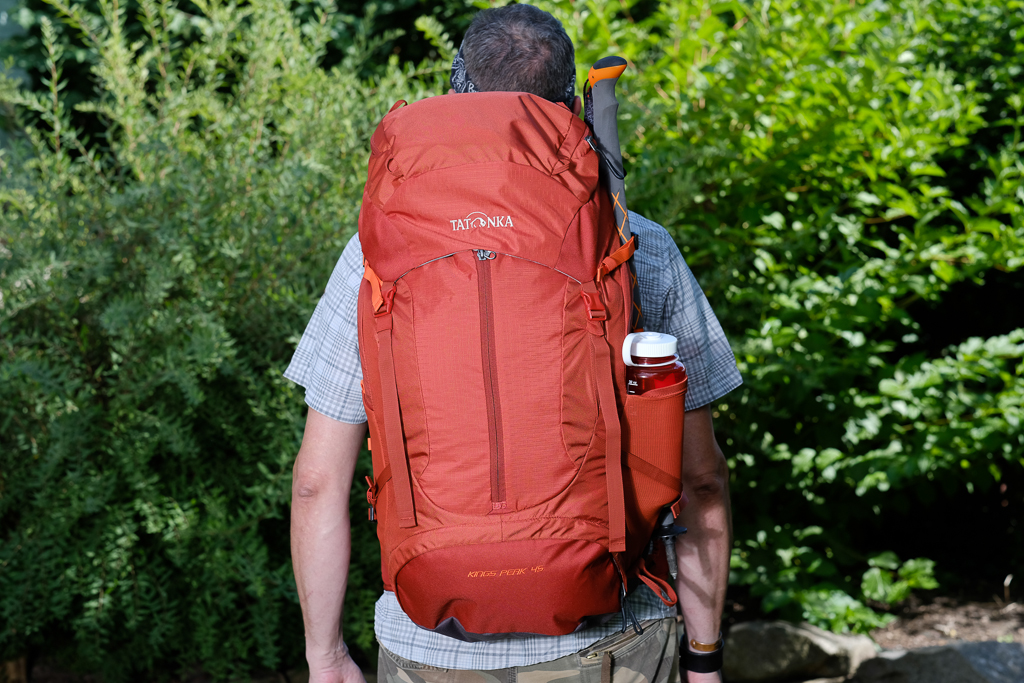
(387, 301)
(595, 309)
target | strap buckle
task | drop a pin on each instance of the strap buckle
(371, 498)
(389, 301)
(595, 309)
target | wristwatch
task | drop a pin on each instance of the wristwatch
(702, 658)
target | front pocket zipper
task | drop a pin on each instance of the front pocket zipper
(489, 361)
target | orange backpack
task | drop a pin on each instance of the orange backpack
(516, 486)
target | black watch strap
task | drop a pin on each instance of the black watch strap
(702, 662)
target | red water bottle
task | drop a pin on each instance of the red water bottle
(651, 362)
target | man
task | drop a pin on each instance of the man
(514, 48)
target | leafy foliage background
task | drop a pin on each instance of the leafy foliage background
(845, 179)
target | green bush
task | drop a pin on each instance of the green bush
(811, 158)
(800, 152)
(150, 296)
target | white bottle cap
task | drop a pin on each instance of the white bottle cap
(648, 345)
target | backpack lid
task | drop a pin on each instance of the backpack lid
(499, 171)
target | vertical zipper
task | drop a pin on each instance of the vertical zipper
(490, 368)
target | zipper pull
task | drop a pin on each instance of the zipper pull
(484, 255)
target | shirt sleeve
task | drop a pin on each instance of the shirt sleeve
(673, 303)
(326, 361)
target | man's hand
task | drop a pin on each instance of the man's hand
(322, 541)
(336, 668)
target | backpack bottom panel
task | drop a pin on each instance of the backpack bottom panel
(538, 587)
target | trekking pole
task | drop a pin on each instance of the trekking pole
(667, 532)
(601, 110)
(601, 113)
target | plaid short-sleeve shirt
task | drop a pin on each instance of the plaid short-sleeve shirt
(326, 363)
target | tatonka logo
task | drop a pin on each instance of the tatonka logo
(478, 219)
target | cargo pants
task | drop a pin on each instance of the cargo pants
(620, 658)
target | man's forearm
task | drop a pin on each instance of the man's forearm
(703, 552)
(321, 547)
(321, 532)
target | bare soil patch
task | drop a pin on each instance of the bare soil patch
(944, 620)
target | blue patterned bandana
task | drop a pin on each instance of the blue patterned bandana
(461, 83)
(460, 79)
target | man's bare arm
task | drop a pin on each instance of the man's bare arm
(321, 541)
(703, 552)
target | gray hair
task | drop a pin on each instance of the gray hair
(519, 48)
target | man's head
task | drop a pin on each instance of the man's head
(519, 48)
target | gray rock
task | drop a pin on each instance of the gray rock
(958, 663)
(780, 651)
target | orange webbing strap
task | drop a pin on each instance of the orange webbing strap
(617, 258)
(638, 464)
(662, 588)
(397, 458)
(375, 282)
(612, 426)
(681, 502)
